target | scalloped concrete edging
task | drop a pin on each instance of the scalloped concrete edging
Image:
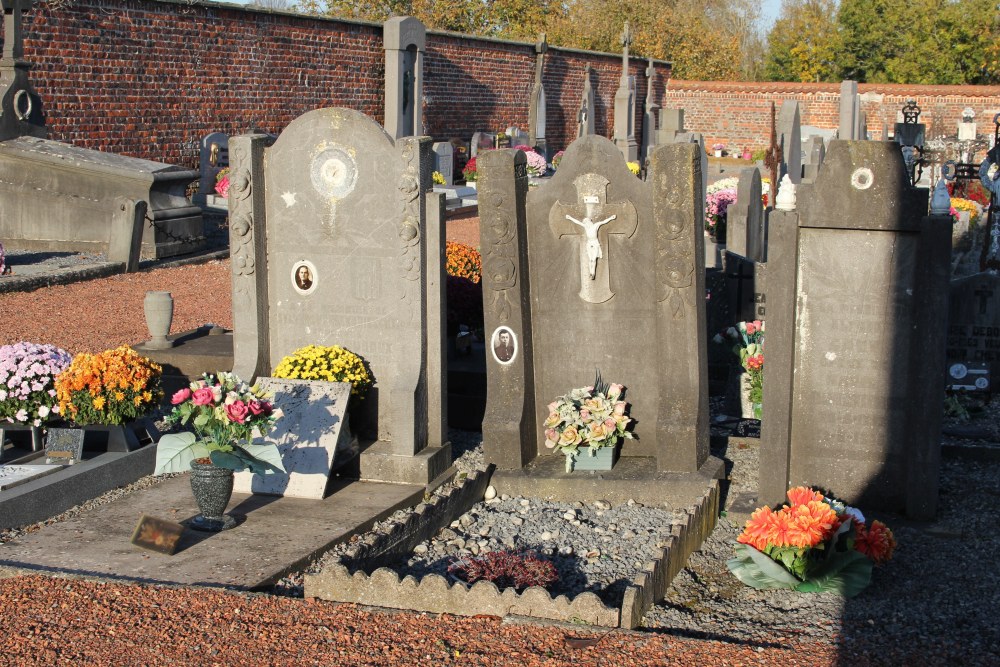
(433, 593)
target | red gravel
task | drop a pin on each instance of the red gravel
(48, 621)
(95, 315)
(464, 229)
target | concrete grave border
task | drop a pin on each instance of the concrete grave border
(376, 585)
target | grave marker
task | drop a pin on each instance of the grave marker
(405, 38)
(790, 137)
(214, 158)
(444, 160)
(536, 110)
(356, 210)
(974, 321)
(625, 105)
(857, 280)
(20, 107)
(64, 445)
(585, 114)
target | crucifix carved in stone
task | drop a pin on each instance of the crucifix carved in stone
(590, 221)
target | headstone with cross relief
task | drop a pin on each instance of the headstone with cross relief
(20, 107)
(597, 270)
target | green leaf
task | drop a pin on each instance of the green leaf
(227, 460)
(846, 572)
(758, 570)
(267, 458)
(175, 451)
(201, 420)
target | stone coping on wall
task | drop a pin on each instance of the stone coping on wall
(385, 588)
(377, 25)
(795, 87)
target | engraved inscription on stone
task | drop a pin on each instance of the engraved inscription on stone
(334, 173)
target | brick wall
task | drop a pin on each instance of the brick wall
(739, 114)
(150, 78)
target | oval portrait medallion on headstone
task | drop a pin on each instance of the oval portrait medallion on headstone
(504, 344)
(304, 277)
(334, 173)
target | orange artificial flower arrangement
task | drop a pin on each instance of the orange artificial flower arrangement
(109, 388)
(463, 261)
(811, 544)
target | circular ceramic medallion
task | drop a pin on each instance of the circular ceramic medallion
(862, 178)
(504, 344)
(334, 173)
(304, 277)
(958, 371)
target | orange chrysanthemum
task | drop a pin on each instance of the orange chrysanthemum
(877, 541)
(765, 528)
(811, 523)
(800, 495)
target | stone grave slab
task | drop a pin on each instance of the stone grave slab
(273, 536)
(15, 475)
(312, 436)
(444, 160)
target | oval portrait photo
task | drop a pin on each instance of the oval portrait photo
(304, 277)
(504, 344)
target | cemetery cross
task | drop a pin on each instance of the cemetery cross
(626, 41)
(13, 32)
(773, 157)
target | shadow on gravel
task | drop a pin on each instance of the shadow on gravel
(715, 637)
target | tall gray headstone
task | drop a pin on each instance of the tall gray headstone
(334, 242)
(624, 132)
(858, 414)
(671, 124)
(444, 160)
(585, 113)
(790, 139)
(608, 252)
(404, 40)
(816, 154)
(974, 322)
(214, 157)
(850, 111)
(20, 107)
(745, 242)
(536, 110)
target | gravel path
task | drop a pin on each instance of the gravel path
(934, 604)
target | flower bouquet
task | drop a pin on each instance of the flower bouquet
(222, 182)
(537, 166)
(557, 158)
(463, 261)
(591, 417)
(110, 388)
(329, 364)
(812, 544)
(633, 167)
(748, 339)
(469, 171)
(224, 412)
(437, 178)
(28, 382)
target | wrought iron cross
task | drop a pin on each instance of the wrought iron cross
(773, 157)
(911, 112)
(13, 31)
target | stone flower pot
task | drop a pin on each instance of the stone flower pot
(212, 487)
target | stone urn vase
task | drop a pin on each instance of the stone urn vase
(212, 487)
(159, 310)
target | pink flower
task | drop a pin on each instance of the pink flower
(620, 408)
(181, 396)
(584, 414)
(203, 396)
(222, 187)
(237, 412)
(259, 407)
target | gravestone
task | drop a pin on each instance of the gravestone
(64, 445)
(516, 137)
(816, 154)
(536, 110)
(585, 113)
(974, 322)
(790, 139)
(671, 125)
(311, 436)
(624, 132)
(444, 160)
(15, 475)
(609, 253)
(857, 282)
(214, 158)
(481, 141)
(404, 39)
(21, 111)
(337, 199)
(850, 111)
(745, 249)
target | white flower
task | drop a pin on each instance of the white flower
(854, 513)
(43, 411)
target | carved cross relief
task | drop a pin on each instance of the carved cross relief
(13, 30)
(589, 221)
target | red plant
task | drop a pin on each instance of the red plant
(506, 569)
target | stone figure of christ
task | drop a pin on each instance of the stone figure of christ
(593, 243)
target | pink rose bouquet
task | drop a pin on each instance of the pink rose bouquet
(591, 417)
(225, 414)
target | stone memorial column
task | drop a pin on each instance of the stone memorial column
(625, 106)
(20, 107)
(404, 38)
(536, 111)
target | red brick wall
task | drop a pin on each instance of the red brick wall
(739, 114)
(150, 78)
